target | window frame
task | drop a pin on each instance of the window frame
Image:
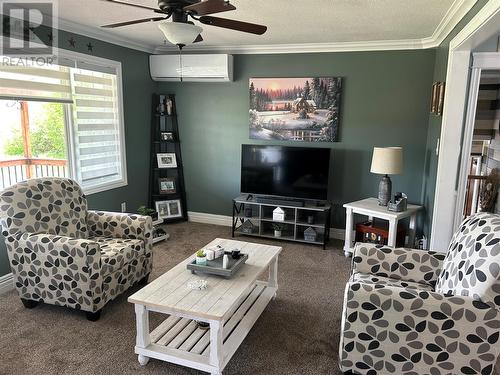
(71, 55)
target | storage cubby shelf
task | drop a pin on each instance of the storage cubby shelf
(251, 218)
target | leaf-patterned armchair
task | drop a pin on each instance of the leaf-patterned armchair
(61, 253)
(419, 312)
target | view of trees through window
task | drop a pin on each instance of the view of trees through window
(46, 126)
(32, 141)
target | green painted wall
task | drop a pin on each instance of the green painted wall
(384, 103)
(137, 90)
(431, 161)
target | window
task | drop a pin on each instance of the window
(68, 123)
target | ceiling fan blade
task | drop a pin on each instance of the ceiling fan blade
(209, 7)
(199, 38)
(234, 25)
(153, 19)
(133, 5)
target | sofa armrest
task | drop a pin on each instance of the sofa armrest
(420, 266)
(121, 225)
(416, 332)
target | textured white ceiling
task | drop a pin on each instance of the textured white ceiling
(288, 21)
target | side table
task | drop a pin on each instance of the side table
(371, 208)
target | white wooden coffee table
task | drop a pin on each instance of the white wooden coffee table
(230, 306)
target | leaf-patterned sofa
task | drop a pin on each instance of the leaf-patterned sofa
(61, 253)
(419, 312)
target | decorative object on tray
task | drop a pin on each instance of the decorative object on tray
(278, 214)
(166, 185)
(310, 219)
(169, 209)
(386, 161)
(214, 252)
(310, 235)
(201, 258)
(166, 160)
(216, 266)
(167, 136)
(399, 203)
(198, 284)
(278, 228)
(295, 109)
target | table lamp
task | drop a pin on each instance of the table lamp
(386, 161)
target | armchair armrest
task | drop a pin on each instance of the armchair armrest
(420, 266)
(416, 332)
(59, 268)
(120, 225)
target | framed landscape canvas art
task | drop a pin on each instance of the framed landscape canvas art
(295, 109)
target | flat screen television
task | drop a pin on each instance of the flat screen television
(295, 172)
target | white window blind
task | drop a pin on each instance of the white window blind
(98, 133)
(35, 83)
(92, 88)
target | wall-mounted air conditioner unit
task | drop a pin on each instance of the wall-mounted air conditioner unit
(195, 68)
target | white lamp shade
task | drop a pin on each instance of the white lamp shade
(387, 160)
(180, 33)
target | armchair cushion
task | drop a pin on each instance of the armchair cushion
(381, 281)
(120, 225)
(419, 266)
(404, 331)
(116, 252)
(472, 265)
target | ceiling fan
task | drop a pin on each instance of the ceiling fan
(182, 31)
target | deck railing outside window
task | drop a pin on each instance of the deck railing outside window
(15, 170)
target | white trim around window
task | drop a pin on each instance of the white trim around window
(97, 96)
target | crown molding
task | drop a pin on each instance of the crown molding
(302, 47)
(102, 35)
(452, 17)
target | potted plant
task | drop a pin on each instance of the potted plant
(143, 210)
(278, 227)
(201, 258)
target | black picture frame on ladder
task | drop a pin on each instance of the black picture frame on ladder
(164, 121)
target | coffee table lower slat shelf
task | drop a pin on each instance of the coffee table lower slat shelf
(179, 340)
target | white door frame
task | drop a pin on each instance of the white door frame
(480, 61)
(481, 27)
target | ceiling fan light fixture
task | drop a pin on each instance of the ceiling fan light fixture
(180, 33)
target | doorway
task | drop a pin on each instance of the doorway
(479, 173)
(482, 26)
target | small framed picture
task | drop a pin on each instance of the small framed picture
(166, 160)
(440, 101)
(167, 185)
(434, 97)
(169, 209)
(167, 136)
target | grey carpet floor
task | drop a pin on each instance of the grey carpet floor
(298, 333)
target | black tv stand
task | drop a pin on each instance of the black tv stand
(254, 217)
(279, 201)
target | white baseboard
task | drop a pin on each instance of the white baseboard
(6, 283)
(202, 217)
(227, 221)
